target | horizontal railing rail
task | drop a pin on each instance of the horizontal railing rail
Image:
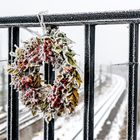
(117, 17)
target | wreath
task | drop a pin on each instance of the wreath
(55, 99)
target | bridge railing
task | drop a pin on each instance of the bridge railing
(89, 20)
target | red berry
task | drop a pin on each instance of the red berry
(56, 102)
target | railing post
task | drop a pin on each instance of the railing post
(89, 82)
(13, 106)
(49, 128)
(133, 81)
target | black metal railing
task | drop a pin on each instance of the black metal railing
(89, 20)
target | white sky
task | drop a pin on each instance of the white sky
(24, 7)
(111, 41)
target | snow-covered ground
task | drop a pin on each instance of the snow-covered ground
(138, 133)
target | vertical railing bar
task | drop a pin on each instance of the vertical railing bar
(48, 128)
(9, 88)
(89, 82)
(133, 81)
(13, 105)
(46, 81)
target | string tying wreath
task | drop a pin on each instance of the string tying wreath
(52, 100)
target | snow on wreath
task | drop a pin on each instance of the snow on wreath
(55, 99)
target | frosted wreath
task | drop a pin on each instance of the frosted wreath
(52, 100)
